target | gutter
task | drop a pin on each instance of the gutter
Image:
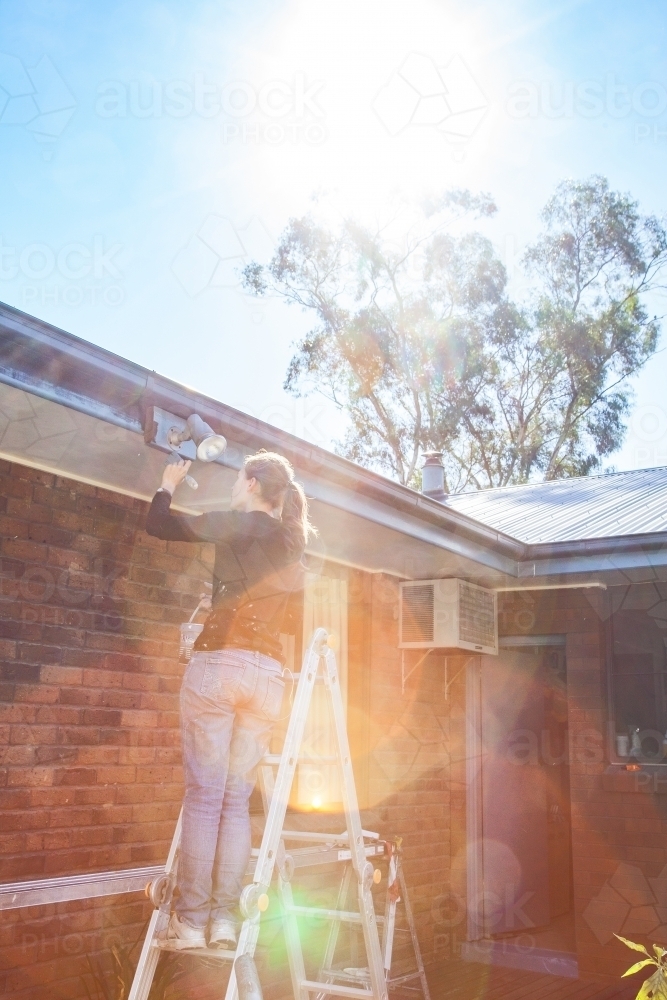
(66, 398)
(596, 546)
(386, 506)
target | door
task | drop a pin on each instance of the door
(514, 794)
(555, 757)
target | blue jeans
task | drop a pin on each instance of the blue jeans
(230, 699)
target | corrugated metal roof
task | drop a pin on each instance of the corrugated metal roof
(621, 503)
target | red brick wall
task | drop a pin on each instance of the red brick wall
(89, 724)
(410, 781)
(89, 678)
(90, 777)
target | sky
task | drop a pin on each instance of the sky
(150, 149)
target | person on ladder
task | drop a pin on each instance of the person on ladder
(232, 688)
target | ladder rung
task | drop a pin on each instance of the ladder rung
(335, 990)
(315, 838)
(347, 974)
(273, 759)
(318, 855)
(325, 838)
(404, 979)
(346, 916)
(218, 953)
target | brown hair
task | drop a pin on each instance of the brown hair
(275, 476)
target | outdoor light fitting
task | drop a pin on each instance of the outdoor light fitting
(183, 439)
(209, 445)
(189, 439)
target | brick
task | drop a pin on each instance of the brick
(82, 658)
(37, 693)
(126, 794)
(123, 662)
(71, 816)
(34, 653)
(102, 717)
(139, 718)
(26, 776)
(99, 678)
(153, 775)
(14, 798)
(22, 672)
(23, 549)
(7, 649)
(61, 675)
(140, 682)
(116, 775)
(59, 714)
(121, 699)
(61, 636)
(81, 696)
(13, 527)
(75, 776)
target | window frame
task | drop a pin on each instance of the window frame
(609, 675)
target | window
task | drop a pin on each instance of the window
(639, 674)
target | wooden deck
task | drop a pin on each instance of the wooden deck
(472, 981)
(190, 979)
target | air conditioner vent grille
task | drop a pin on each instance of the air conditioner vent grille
(476, 615)
(417, 613)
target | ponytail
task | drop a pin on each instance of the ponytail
(278, 486)
(295, 516)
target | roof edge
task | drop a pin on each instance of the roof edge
(54, 364)
(34, 355)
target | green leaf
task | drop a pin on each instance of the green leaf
(656, 985)
(645, 991)
(632, 944)
(659, 951)
(637, 966)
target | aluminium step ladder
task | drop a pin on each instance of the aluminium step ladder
(354, 845)
(395, 894)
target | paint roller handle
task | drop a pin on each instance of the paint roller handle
(204, 604)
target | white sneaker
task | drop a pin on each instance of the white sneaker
(182, 936)
(222, 934)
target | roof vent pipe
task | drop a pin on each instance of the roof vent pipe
(433, 475)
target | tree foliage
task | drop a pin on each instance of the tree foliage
(416, 337)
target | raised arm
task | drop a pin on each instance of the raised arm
(218, 526)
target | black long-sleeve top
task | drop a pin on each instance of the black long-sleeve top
(254, 573)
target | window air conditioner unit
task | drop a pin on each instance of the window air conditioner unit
(449, 614)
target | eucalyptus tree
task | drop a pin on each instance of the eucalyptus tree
(416, 338)
(561, 392)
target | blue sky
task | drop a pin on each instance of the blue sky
(148, 149)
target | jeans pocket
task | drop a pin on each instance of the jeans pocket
(273, 701)
(222, 677)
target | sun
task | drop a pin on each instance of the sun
(346, 54)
